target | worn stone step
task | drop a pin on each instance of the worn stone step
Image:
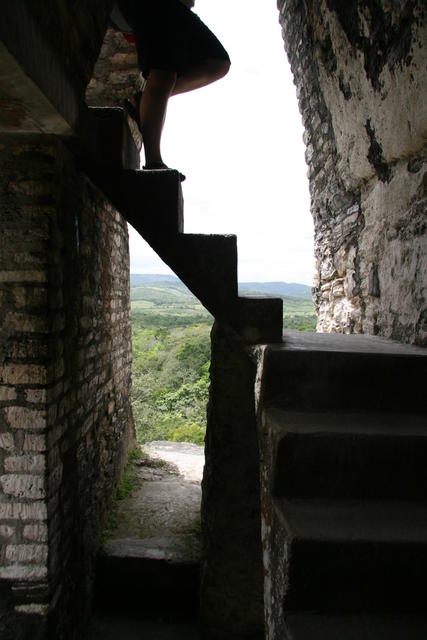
(152, 203)
(353, 557)
(348, 456)
(353, 521)
(361, 626)
(149, 575)
(207, 264)
(331, 372)
(258, 318)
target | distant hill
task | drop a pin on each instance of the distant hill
(175, 286)
(164, 301)
(148, 278)
(280, 289)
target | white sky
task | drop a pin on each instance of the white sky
(239, 142)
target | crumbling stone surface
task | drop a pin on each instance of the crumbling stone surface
(116, 75)
(361, 84)
(65, 352)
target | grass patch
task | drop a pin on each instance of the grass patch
(127, 481)
(126, 485)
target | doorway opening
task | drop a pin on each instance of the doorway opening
(240, 144)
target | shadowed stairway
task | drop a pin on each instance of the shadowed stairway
(342, 437)
(139, 595)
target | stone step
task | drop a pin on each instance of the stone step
(353, 521)
(152, 203)
(331, 372)
(348, 456)
(258, 319)
(149, 575)
(351, 557)
(362, 626)
(207, 264)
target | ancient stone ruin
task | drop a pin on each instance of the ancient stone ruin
(314, 492)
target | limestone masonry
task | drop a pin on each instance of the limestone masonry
(65, 356)
(358, 68)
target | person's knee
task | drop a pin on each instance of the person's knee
(220, 68)
(225, 67)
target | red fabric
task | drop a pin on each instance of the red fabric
(129, 37)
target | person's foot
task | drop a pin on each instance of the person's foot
(161, 166)
(156, 166)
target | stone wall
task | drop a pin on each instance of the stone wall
(361, 83)
(116, 74)
(65, 356)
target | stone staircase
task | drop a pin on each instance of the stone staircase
(152, 202)
(343, 435)
(157, 581)
(342, 432)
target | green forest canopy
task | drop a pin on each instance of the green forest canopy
(171, 353)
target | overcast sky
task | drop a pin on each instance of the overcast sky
(239, 142)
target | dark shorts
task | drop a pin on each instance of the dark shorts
(169, 36)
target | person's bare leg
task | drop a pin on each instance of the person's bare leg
(160, 86)
(200, 75)
(152, 112)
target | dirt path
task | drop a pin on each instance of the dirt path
(161, 514)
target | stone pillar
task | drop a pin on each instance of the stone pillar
(232, 573)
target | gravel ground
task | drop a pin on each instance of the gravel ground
(164, 502)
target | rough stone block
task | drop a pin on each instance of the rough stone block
(6, 531)
(25, 464)
(7, 393)
(23, 418)
(33, 609)
(23, 374)
(35, 396)
(26, 553)
(34, 443)
(23, 511)
(23, 486)
(29, 347)
(23, 276)
(6, 441)
(35, 532)
(31, 573)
